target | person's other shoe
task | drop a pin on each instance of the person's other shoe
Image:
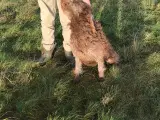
(46, 55)
(69, 57)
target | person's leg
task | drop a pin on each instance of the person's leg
(47, 13)
(87, 1)
(66, 30)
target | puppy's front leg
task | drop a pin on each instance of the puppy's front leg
(78, 69)
(101, 69)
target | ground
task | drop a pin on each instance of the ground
(130, 91)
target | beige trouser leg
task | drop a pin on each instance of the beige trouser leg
(48, 14)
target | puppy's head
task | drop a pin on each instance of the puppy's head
(74, 7)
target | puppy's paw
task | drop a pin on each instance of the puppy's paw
(76, 80)
(101, 79)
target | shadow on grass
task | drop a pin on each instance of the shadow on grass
(8, 45)
(123, 21)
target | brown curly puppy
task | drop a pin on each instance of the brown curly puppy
(88, 42)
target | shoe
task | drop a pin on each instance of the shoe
(155, 2)
(70, 58)
(46, 56)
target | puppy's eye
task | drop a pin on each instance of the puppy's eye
(65, 4)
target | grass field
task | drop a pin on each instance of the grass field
(129, 92)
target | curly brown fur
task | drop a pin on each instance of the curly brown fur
(88, 41)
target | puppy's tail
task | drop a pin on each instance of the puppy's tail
(113, 58)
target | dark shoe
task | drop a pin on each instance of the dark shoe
(46, 56)
(70, 58)
(155, 2)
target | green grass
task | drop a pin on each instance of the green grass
(129, 92)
